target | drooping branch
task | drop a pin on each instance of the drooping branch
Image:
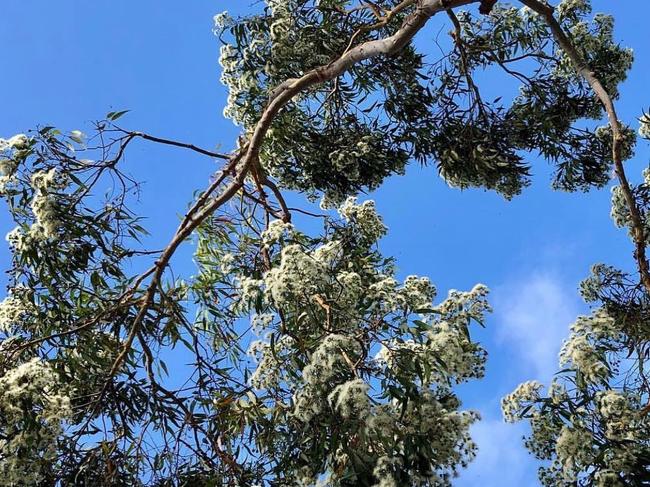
(457, 35)
(583, 69)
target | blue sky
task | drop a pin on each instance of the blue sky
(70, 62)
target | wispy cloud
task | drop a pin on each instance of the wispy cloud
(532, 315)
(532, 318)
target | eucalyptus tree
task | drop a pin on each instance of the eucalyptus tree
(311, 363)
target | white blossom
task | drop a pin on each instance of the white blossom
(268, 371)
(384, 471)
(275, 231)
(33, 407)
(222, 20)
(524, 394)
(417, 292)
(227, 263)
(572, 7)
(573, 450)
(617, 415)
(250, 290)
(14, 308)
(579, 350)
(18, 240)
(297, 275)
(329, 253)
(18, 142)
(608, 478)
(45, 203)
(644, 126)
(350, 399)
(7, 169)
(365, 217)
(261, 322)
(331, 363)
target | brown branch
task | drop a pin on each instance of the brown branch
(262, 201)
(281, 201)
(175, 143)
(581, 66)
(383, 20)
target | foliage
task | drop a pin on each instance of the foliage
(345, 381)
(351, 132)
(310, 363)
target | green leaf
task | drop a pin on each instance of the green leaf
(112, 116)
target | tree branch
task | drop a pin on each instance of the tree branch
(241, 163)
(581, 66)
(175, 143)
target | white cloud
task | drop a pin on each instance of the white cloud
(532, 315)
(532, 319)
(501, 460)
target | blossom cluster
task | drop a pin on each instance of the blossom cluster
(525, 394)
(17, 142)
(574, 449)
(33, 407)
(331, 319)
(644, 126)
(10, 150)
(580, 351)
(593, 38)
(572, 8)
(330, 368)
(446, 350)
(593, 430)
(364, 217)
(45, 205)
(14, 308)
(618, 416)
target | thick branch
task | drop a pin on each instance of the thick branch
(605, 99)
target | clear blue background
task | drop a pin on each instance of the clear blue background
(70, 62)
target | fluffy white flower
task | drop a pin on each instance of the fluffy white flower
(275, 231)
(269, 371)
(418, 292)
(18, 142)
(18, 240)
(33, 407)
(608, 478)
(261, 322)
(350, 399)
(329, 253)
(78, 136)
(572, 7)
(297, 276)
(222, 20)
(524, 394)
(574, 451)
(617, 415)
(644, 126)
(13, 309)
(579, 351)
(365, 217)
